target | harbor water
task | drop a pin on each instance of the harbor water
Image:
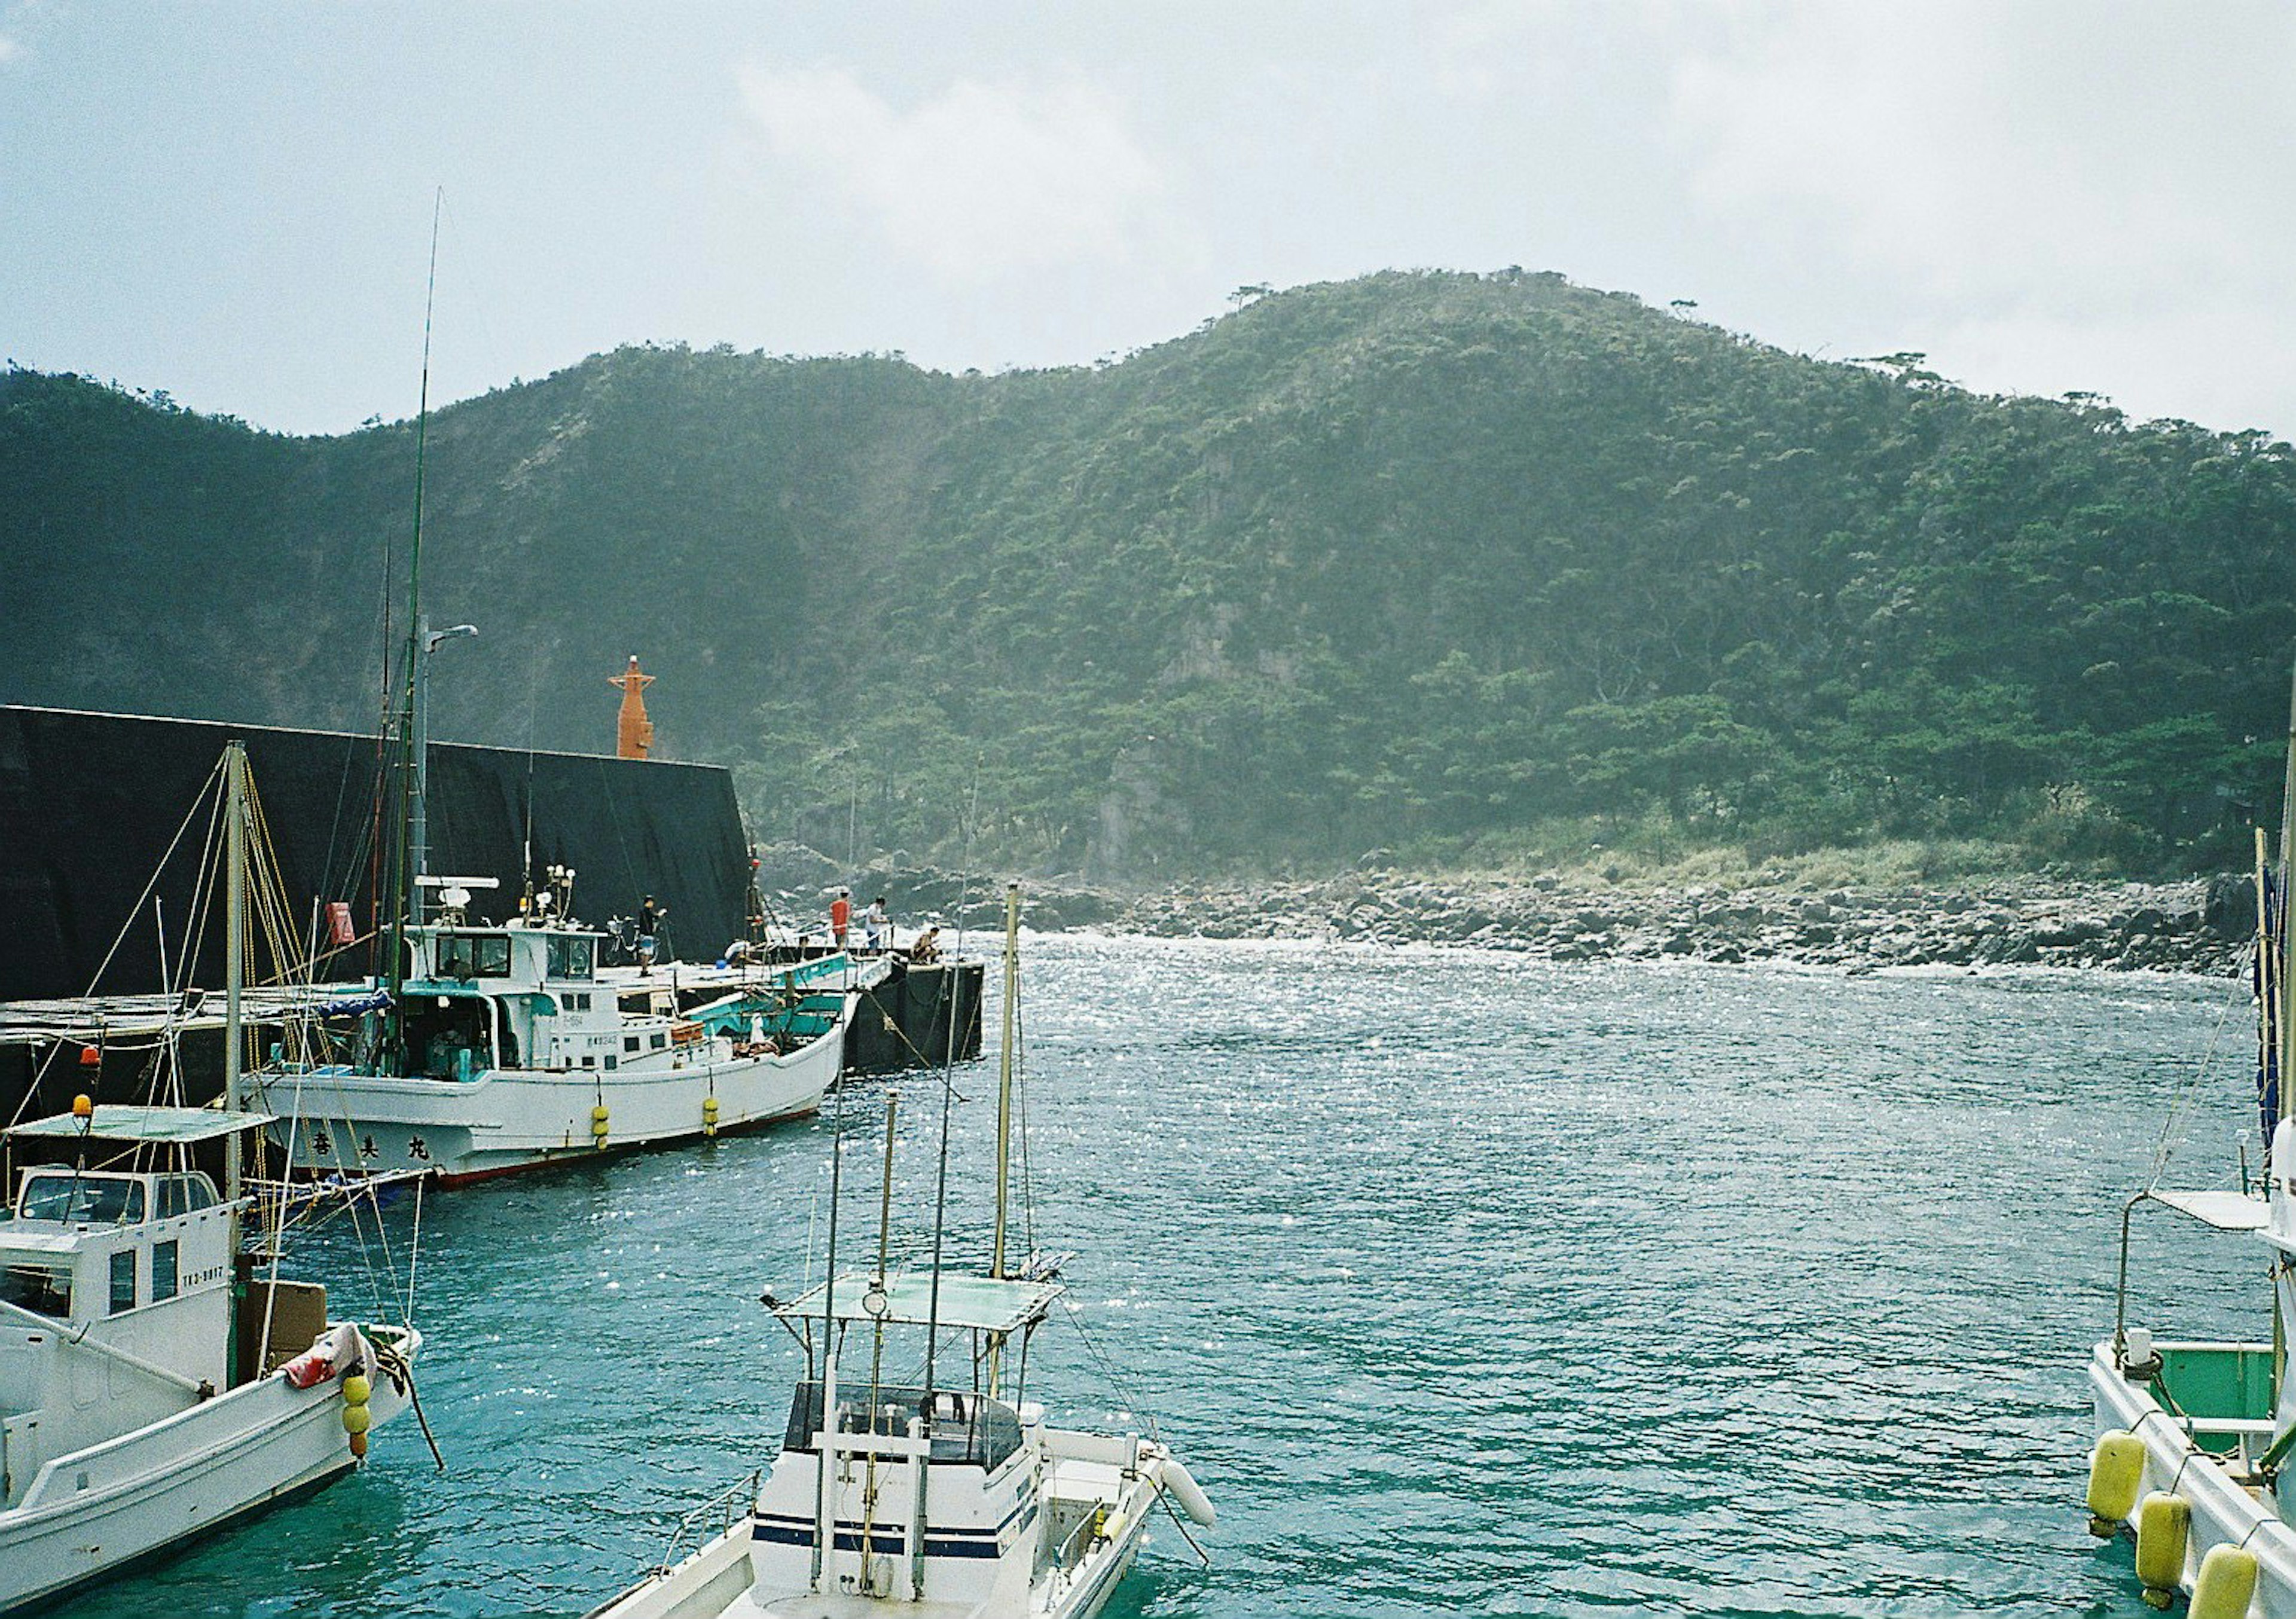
(1463, 1284)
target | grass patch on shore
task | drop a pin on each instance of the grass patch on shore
(1655, 852)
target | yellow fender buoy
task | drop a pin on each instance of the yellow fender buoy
(356, 1418)
(2116, 1472)
(709, 1116)
(598, 1116)
(2164, 1523)
(2227, 1584)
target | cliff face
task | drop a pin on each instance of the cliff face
(1437, 562)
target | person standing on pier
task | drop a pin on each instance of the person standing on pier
(841, 917)
(878, 922)
(649, 928)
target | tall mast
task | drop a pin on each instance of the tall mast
(1005, 1070)
(405, 898)
(234, 965)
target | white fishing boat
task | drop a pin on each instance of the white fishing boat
(915, 1495)
(154, 1385)
(506, 1047)
(2193, 1435)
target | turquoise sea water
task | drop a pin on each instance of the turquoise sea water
(1464, 1284)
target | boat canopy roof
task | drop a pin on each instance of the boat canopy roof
(2227, 1211)
(176, 1126)
(979, 1303)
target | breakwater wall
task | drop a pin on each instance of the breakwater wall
(91, 804)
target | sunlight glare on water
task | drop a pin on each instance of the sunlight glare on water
(1463, 1284)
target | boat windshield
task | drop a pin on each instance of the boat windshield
(473, 955)
(83, 1199)
(571, 955)
(966, 1428)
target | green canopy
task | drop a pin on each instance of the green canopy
(175, 1126)
(979, 1303)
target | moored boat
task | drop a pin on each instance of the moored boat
(155, 1384)
(507, 1047)
(917, 1494)
(2193, 1435)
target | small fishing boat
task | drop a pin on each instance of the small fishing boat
(2193, 1435)
(952, 1499)
(156, 1381)
(507, 1047)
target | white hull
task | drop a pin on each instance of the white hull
(90, 1513)
(720, 1581)
(2224, 1509)
(506, 1119)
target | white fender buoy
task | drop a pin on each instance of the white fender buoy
(1171, 1475)
(2227, 1584)
(2164, 1523)
(2116, 1472)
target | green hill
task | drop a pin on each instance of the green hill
(1460, 566)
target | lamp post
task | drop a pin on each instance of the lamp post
(427, 641)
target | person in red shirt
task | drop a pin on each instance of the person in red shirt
(841, 916)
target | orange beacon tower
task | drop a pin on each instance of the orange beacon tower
(637, 734)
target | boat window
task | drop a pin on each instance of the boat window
(658, 1041)
(183, 1195)
(83, 1199)
(630, 1043)
(966, 1428)
(41, 1285)
(473, 955)
(610, 1061)
(123, 1281)
(571, 957)
(163, 1270)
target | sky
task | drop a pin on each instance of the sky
(232, 203)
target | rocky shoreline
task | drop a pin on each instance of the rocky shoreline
(2199, 925)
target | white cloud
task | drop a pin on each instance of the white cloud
(1975, 150)
(980, 179)
(2071, 189)
(9, 49)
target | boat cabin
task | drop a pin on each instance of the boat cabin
(115, 1280)
(530, 996)
(935, 1491)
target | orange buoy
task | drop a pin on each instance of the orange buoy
(83, 1106)
(90, 1057)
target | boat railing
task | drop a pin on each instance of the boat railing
(712, 1517)
(963, 1427)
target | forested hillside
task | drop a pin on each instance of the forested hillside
(1458, 566)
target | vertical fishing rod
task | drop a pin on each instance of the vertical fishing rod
(997, 1267)
(2287, 956)
(1005, 1072)
(877, 1349)
(825, 1517)
(943, 995)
